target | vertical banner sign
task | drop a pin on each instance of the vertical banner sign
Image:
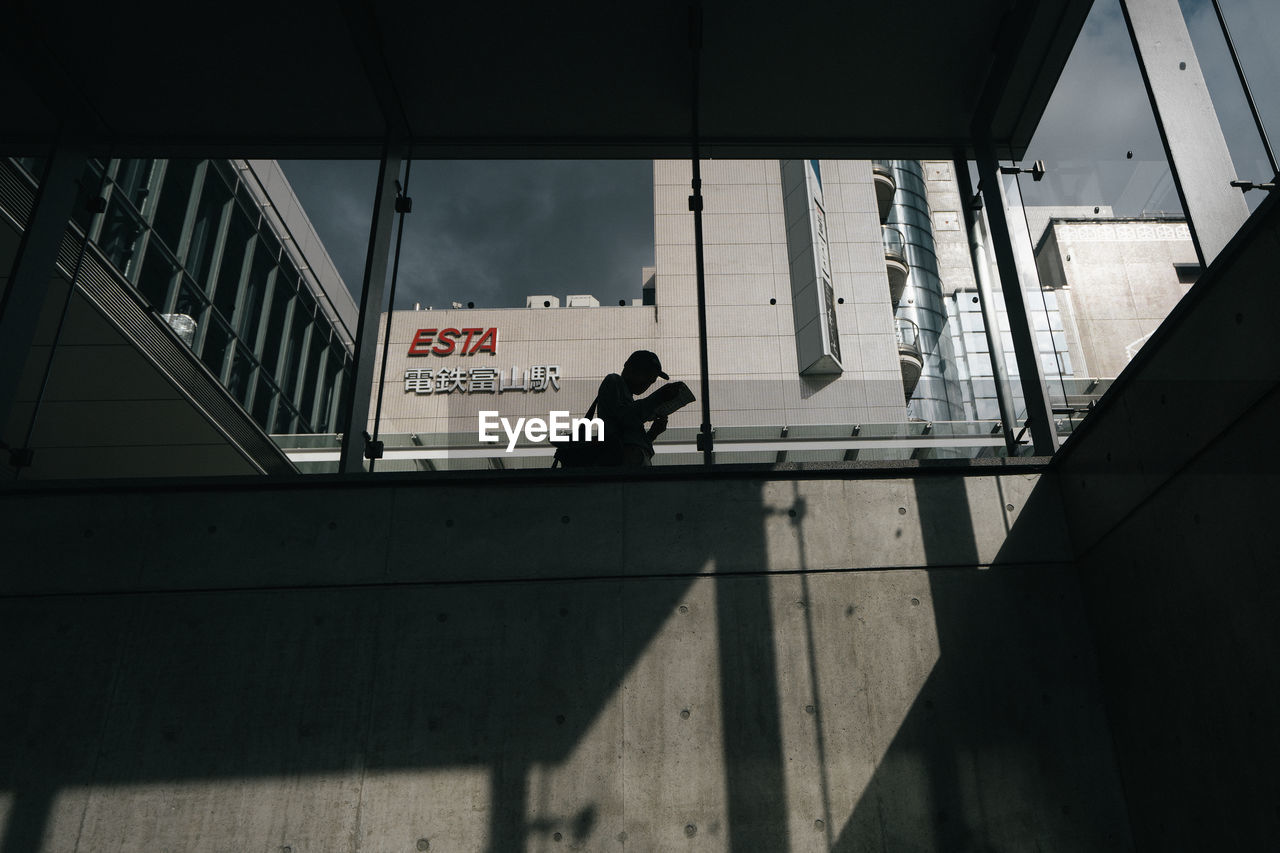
(822, 250)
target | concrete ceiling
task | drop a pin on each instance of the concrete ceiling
(240, 78)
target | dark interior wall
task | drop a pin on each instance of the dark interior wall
(1169, 493)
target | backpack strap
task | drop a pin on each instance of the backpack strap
(591, 413)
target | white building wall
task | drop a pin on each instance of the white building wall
(751, 343)
(1117, 280)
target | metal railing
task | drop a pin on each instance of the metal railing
(908, 334)
(676, 446)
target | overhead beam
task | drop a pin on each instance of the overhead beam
(366, 38)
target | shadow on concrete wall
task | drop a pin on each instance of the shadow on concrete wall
(119, 690)
(1005, 748)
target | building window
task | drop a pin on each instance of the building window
(175, 193)
(157, 275)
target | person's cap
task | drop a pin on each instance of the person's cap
(646, 360)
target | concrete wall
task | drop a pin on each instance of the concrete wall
(1116, 281)
(1169, 489)
(716, 662)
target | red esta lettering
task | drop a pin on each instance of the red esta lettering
(445, 341)
(421, 341)
(490, 335)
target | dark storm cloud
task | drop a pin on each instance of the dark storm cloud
(493, 232)
(338, 199)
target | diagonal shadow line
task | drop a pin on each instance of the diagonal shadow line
(752, 728)
(1004, 745)
(28, 817)
(270, 683)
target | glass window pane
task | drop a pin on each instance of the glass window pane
(239, 379)
(191, 301)
(255, 292)
(89, 187)
(157, 275)
(269, 243)
(263, 399)
(285, 419)
(248, 205)
(306, 301)
(171, 209)
(328, 386)
(217, 341)
(133, 181)
(289, 369)
(312, 368)
(281, 296)
(119, 236)
(226, 170)
(234, 251)
(204, 231)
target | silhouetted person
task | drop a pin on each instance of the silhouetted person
(622, 412)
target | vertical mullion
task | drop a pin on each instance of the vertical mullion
(355, 420)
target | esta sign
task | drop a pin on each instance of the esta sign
(446, 340)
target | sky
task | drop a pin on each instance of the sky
(1099, 112)
(494, 232)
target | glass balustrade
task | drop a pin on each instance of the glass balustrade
(895, 245)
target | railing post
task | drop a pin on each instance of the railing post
(1044, 437)
(986, 301)
(355, 415)
(706, 435)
